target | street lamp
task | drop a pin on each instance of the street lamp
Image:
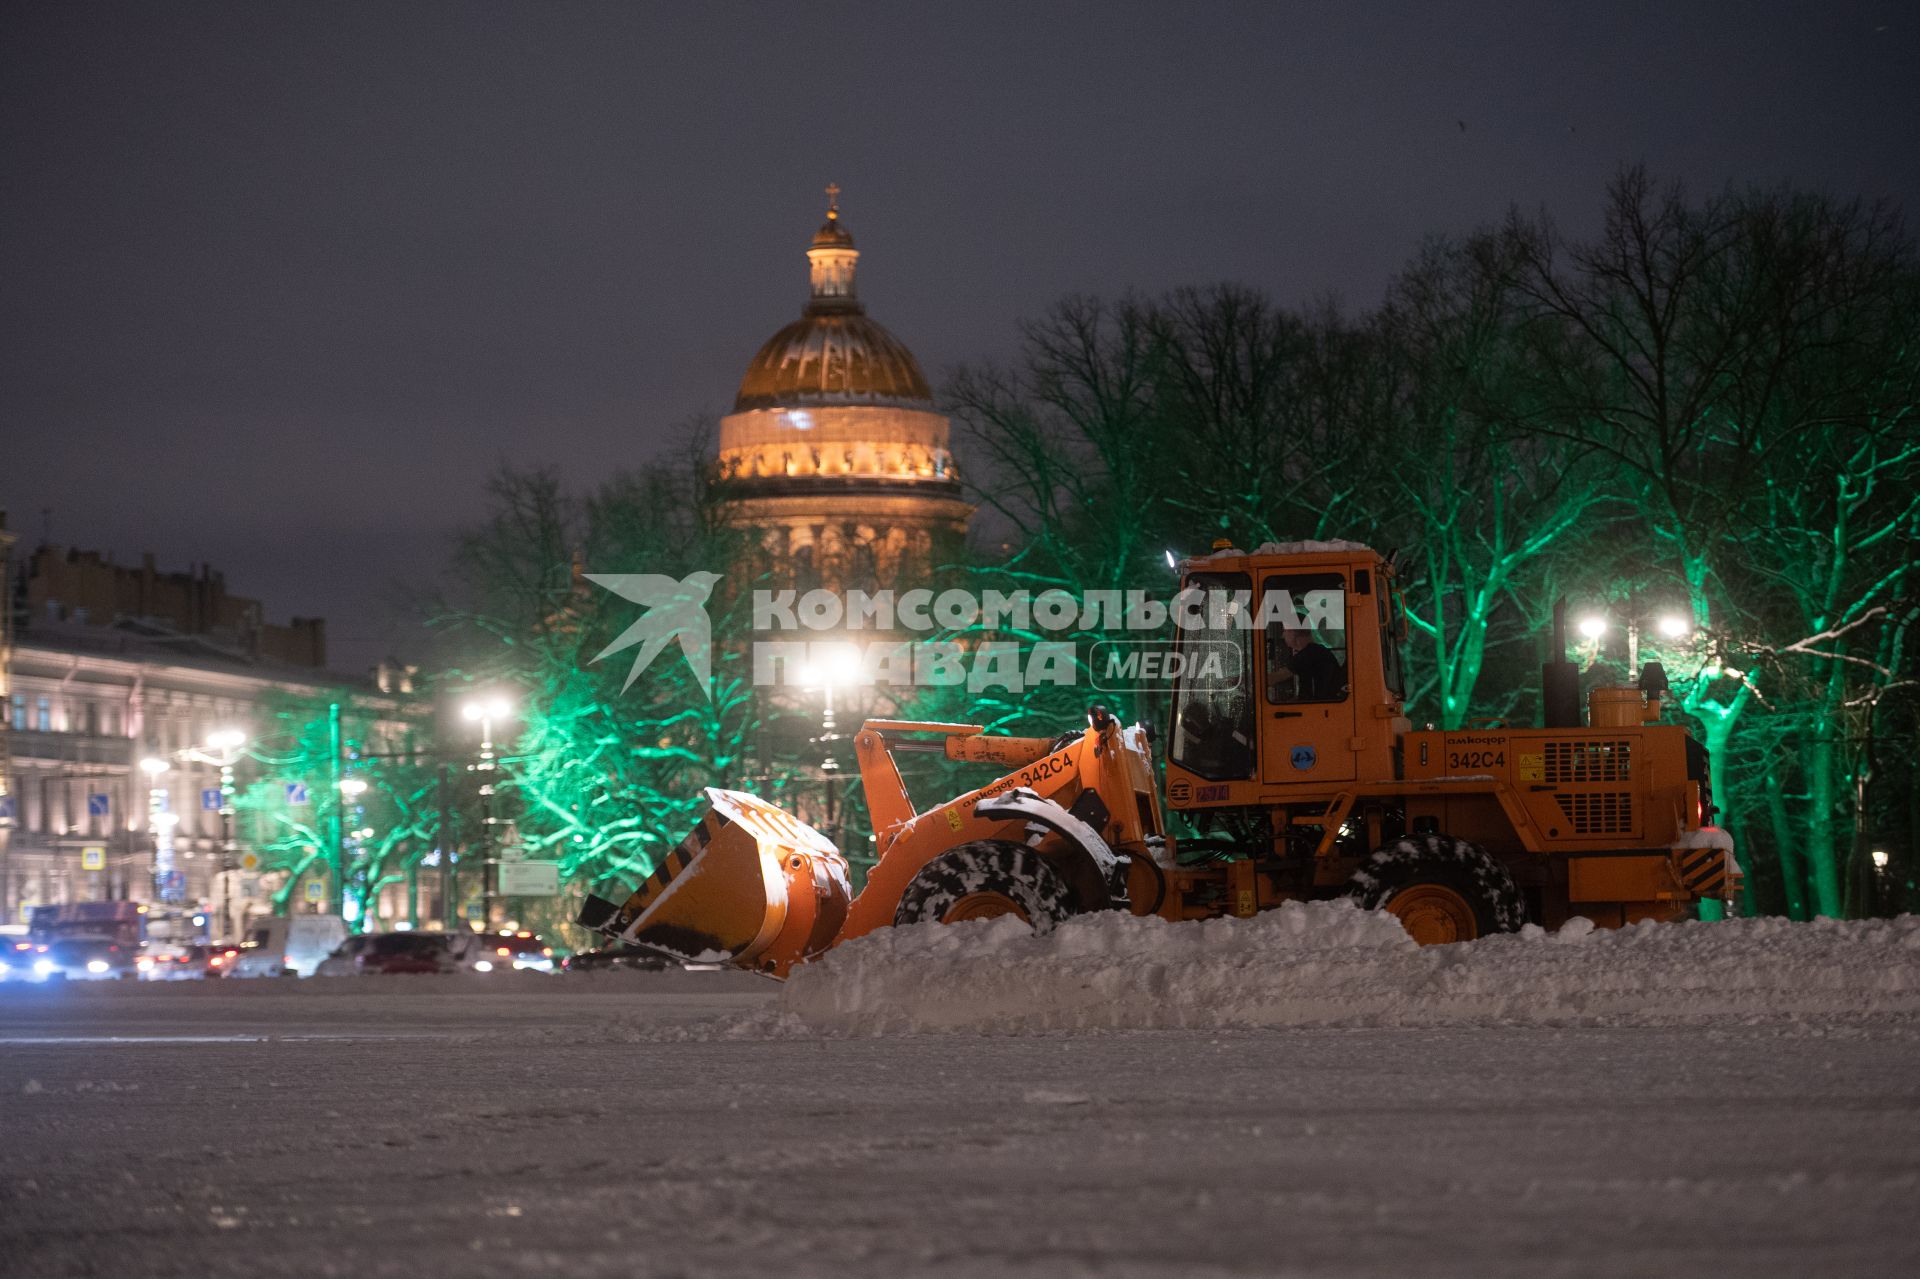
(160, 829)
(485, 710)
(1672, 626)
(839, 668)
(223, 749)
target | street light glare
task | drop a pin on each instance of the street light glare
(843, 667)
(1593, 627)
(153, 767)
(227, 738)
(352, 786)
(499, 708)
(1673, 626)
(1879, 859)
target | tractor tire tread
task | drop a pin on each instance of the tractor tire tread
(1465, 866)
(987, 865)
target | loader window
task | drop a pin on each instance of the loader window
(1213, 707)
(1306, 624)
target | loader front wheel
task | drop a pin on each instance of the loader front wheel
(986, 879)
(1441, 889)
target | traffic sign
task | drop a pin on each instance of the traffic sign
(99, 805)
(93, 858)
(529, 879)
(315, 890)
(210, 799)
(249, 860)
(296, 792)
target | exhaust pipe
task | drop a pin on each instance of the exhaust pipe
(1559, 678)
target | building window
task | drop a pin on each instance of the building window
(43, 715)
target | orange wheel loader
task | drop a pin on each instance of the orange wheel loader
(1292, 758)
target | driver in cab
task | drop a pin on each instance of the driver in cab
(1301, 669)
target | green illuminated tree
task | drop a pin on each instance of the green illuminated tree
(600, 775)
(389, 815)
(1748, 362)
(1483, 497)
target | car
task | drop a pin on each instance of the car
(345, 959)
(287, 945)
(16, 959)
(505, 951)
(618, 957)
(386, 954)
(175, 962)
(81, 959)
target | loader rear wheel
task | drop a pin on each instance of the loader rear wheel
(1441, 889)
(986, 879)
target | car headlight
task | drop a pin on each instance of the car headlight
(483, 965)
(44, 967)
(98, 965)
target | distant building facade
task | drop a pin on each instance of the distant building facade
(106, 667)
(84, 588)
(834, 453)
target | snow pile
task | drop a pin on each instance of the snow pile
(1283, 548)
(1330, 963)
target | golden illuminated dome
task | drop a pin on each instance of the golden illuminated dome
(833, 354)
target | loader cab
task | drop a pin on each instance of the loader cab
(1316, 693)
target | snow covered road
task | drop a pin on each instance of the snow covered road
(546, 1127)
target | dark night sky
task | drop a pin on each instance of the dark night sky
(283, 282)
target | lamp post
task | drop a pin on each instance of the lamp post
(486, 710)
(161, 830)
(223, 749)
(840, 669)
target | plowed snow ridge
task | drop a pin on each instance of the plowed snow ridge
(1329, 963)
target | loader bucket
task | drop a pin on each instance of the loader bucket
(752, 886)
